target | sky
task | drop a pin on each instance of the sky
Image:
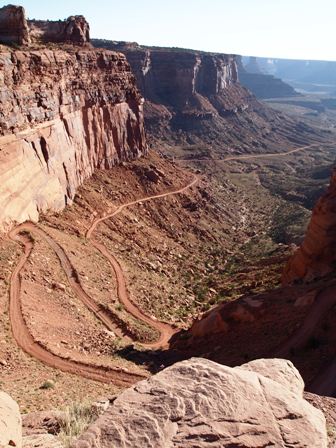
(297, 29)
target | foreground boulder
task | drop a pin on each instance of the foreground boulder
(199, 403)
(10, 422)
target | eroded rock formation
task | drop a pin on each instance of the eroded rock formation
(15, 29)
(10, 422)
(13, 25)
(195, 98)
(262, 85)
(62, 114)
(316, 256)
(204, 404)
(74, 30)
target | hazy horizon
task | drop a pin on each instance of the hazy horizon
(294, 29)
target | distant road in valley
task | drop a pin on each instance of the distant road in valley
(252, 156)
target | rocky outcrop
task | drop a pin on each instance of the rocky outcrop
(13, 25)
(15, 29)
(262, 85)
(204, 404)
(74, 29)
(10, 422)
(62, 115)
(316, 256)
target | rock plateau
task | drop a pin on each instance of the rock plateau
(263, 85)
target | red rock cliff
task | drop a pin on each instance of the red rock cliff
(16, 29)
(62, 114)
(317, 254)
(13, 25)
(193, 98)
(75, 29)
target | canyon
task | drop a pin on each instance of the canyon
(151, 206)
(263, 85)
(195, 98)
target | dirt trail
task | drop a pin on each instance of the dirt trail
(253, 156)
(19, 328)
(26, 341)
(118, 376)
(166, 331)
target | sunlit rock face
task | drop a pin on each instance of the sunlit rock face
(199, 403)
(62, 114)
(74, 29)
(13, 26)
(316, 256)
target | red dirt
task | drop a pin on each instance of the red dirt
(166, 331)
(19, 328)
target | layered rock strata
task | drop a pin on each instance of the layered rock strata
(204, 404)
(15, 29)
(316, 256)
(75, 29)
(13, 26)
(195, 98)
(62, 115)
(262, 85)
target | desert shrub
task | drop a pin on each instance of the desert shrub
(48, 384)
(75, 420)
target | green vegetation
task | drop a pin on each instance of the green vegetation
(75, 420)
(48, 384)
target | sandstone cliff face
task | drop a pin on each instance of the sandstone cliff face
(195, 98)
(62, 114)
(262, 85)
(198, 403)
(74, 30)
(13, 25)
(316, 256)
(15, 29)
(177, 79)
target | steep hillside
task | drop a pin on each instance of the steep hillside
(62, 114)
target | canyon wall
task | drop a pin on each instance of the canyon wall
(13, 25)
(195, 98)
(15, 29)
(316, 256)
(62, 115)
(74, 29)
(262, 85)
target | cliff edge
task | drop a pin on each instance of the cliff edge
(63, 113)
(316, 256)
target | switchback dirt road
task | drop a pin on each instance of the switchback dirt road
(20, 330)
